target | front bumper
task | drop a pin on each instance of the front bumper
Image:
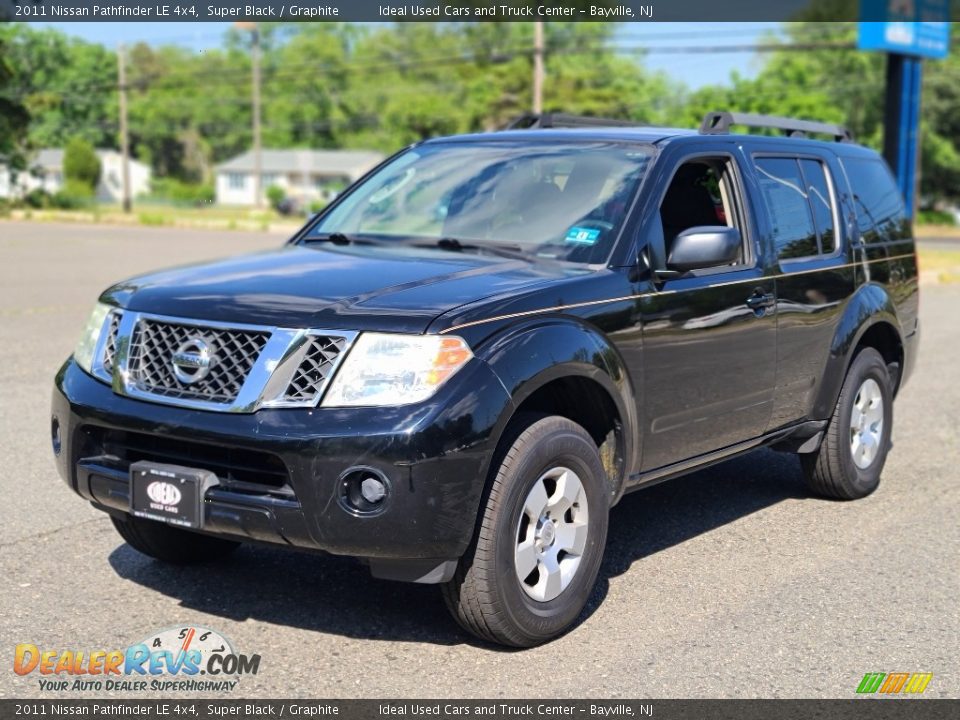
(434, 456)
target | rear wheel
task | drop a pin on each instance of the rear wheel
(851, 457)
(171, 544)
(535, 560)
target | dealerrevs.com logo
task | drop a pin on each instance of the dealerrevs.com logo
(185, 659)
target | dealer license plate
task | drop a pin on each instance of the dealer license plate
(169, 493)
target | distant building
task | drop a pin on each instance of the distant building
(45, 171)
(304, 175)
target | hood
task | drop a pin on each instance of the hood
(354, 287)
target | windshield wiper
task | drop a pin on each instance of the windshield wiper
(454, 245)
(337, 238)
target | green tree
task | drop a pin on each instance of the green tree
(66, 84)
(839, 83)
(14, 119)
(81, 164)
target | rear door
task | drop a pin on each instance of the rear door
(805, 219)
(709, 346)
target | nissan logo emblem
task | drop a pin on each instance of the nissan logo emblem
(193, 360)
(164, 493)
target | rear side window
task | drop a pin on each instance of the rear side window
(880, 212)
(821, 200)
(783, 188)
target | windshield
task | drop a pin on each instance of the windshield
(565, 201)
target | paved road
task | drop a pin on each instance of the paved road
(730, 582)
(941, 243)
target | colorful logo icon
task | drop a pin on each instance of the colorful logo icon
(894, 683)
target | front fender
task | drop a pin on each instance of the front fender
(869, 305)
(527, 357)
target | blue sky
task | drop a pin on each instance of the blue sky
(692, 69)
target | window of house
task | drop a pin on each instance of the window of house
(269, 179)
(880, 212)
(236, 181)
(800, 208)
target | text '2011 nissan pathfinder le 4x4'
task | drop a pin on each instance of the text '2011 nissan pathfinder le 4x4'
(456, 369)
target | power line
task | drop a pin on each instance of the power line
(296, 69)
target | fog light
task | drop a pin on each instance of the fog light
(363, 490)
(55, 435)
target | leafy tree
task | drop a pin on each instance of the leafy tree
(14, 119)
(81, 164)
(384, 86)
(846, 85)
(66, 84)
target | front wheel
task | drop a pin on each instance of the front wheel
(850, 459)
(535, 560)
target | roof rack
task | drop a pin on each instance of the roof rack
(532, 121)
(718, 123)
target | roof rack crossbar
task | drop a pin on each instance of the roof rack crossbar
(719, 122)
(532, 121)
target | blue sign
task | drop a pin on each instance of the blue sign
(909, 27)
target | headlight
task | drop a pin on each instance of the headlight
(384, 369)
(83, 354)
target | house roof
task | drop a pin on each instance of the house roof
(326, 162)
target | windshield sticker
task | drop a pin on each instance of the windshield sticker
(582, 236)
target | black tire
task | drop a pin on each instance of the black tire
(171, 544)
(831, 471)
(485, 596)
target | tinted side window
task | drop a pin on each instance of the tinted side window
(782, 186)
(880, 212)
(821, 200)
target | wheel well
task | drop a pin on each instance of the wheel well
(884, 338)
(587, 403)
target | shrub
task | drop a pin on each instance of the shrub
(935, 217)
(275, 196)
(177, 191)
(37, 198)
(154, 219)
(75, 195)
(81, 164)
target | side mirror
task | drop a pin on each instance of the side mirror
(704, 246)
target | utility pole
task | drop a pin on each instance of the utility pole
(257, 150)
(538, 67)
(124, 135)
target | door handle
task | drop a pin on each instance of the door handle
(761, 300)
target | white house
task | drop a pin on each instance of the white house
(46, 171)
(304, 175)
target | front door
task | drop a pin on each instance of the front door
(709, 336)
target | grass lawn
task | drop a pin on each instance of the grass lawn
(940, 263)
(950, 231)
(213, 217)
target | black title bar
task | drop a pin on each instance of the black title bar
(860, 709)
(439, 11)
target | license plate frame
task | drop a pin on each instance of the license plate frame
(171, 494)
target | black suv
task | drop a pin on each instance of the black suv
(455, 370)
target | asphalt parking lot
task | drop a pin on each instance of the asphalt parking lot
(732, 582)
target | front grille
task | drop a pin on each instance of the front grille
(239, 470)
(154, 343)
(315, 368)
(110, 346)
